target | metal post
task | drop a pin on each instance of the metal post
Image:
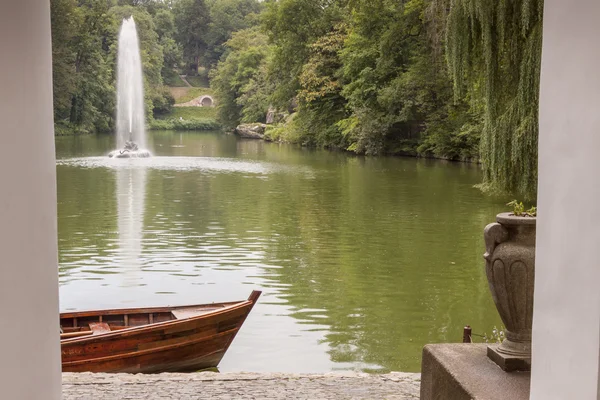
(467, 334)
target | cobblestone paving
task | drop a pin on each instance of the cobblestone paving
(221, 386)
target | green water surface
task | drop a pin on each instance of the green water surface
(361, 261)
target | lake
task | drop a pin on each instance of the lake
(361, 260)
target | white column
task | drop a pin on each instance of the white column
(566, 322)
(29, 330)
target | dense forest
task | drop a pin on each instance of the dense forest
(175, 36)
(454, 79)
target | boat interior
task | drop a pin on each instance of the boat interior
(75, 325)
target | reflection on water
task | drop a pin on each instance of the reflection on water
(362, 260)
(131, 193)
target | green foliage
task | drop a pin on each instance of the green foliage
(84, 40)
(494, 53)
(226, 17)
(199, 124)
(191, 20)
(172, 56)
(363, 76)
(65, 21)
(190, 113)
(292, 27)
(276, 133)
(320, 100)
(84, 46)
(162, 102)
(454, 79)
(200, 81)
(239, 81)
(171, 78)
(164, 23)
(164, 26)
(83, 34)
(519, 209)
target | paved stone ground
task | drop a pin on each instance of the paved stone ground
(221, 386)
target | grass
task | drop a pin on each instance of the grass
(187, 118)
(201, 80)
(183, 95)
(192, 93)
(173, 79)
(198, 81)
(191, 113)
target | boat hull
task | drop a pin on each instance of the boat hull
(180, 345)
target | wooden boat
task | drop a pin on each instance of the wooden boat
(160, 339)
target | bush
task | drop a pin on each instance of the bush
(197, 124)
(275, 133)
(64, 128)
(162, 102)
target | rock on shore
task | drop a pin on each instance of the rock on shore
(251, 131)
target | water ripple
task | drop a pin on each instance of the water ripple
(217, 164)
(361, 260)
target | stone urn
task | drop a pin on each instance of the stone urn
(510, 269)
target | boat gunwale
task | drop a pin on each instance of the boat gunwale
(141, 310)
(133, 330)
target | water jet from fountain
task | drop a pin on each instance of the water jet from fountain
(131, 129)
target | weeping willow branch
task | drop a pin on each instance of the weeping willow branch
(494, 55)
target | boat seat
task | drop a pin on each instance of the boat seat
(99, 328)
(190, 312)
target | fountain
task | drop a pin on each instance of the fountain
(131, 130)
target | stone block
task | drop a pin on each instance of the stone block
(507, 362)
(464, 372)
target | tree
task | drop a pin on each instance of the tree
(366, 76)
(84, 44)
(191, 21)
(164, 24)
(240, 81)
(92, 95)
(65, 21)
(494, 54)
(226, 17)
(320, 102)
(292, 26)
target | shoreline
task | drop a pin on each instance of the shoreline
(231, 132)
(332, 149)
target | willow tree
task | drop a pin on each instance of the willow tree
(494, 55)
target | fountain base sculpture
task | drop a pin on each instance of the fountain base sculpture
(130, 150)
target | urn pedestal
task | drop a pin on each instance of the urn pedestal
(510, 269)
